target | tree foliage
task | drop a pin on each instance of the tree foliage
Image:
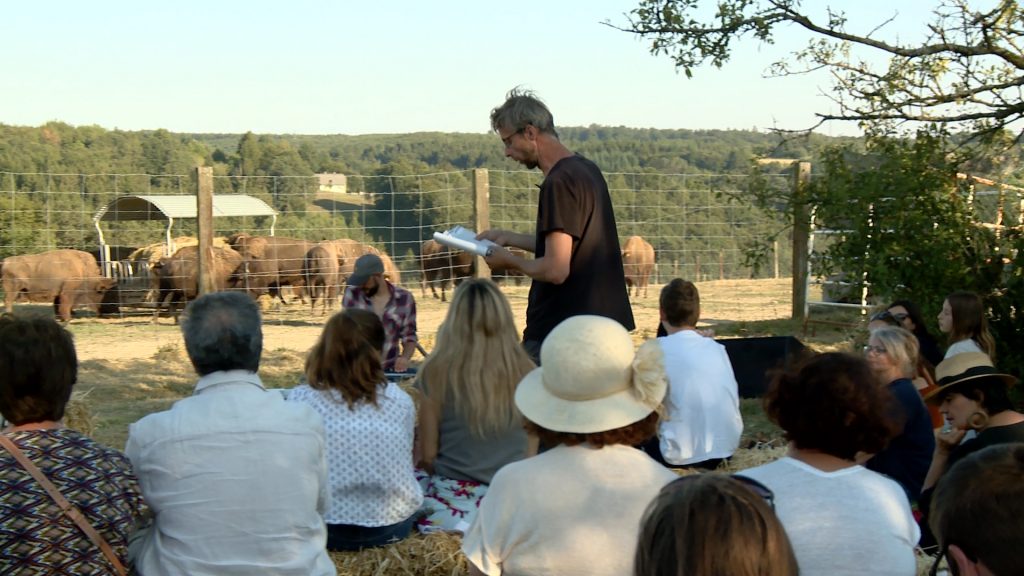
(965, 73)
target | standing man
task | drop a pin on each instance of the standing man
(577, 267)
(369, 290)
(235, 475)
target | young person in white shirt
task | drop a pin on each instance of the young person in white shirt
(702, 423)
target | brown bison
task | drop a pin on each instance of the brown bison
(68, 278)
(177, 277)
(441, 265)
(637, 263)
(270, 262)
(350, 250)
(323, 279)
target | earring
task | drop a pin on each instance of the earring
(978, 420)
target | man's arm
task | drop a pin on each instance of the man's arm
(508, 238)
(407, 336)
(552, 267)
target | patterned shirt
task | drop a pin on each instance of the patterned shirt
(369, 455)
(399, 318)
(35, 536)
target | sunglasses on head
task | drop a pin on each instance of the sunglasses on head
(754, 486)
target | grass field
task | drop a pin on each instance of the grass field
(130, 367)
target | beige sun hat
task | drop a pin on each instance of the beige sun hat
(590, 380)
(963, 367)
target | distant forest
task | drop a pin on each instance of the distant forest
(55, 177)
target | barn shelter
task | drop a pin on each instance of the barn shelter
(172, 208)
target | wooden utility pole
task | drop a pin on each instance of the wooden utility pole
(481, 215)
(204, 219)
(801, 231)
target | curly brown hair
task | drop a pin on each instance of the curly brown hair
(631, 434)
(833, 403)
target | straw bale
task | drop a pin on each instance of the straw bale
(77, 415)
(436, 554)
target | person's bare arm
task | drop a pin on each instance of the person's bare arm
(509, 238)
(552, 267)
(427, 433)
(944, 444)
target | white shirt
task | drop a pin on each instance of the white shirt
(703, 408)
(369, 455)
(237, 479)
(848, 522)
(959, 347)
(571, 511)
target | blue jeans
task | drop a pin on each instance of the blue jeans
(350, 537)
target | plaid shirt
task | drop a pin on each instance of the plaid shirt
(399, 318)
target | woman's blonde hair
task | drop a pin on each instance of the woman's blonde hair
(901, 345)
(347, 357)
(477, 361)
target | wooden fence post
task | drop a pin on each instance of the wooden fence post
(801, 238)
(481, 215)
(204, 221)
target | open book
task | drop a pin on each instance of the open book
(463, 239)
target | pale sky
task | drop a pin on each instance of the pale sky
(367, 67)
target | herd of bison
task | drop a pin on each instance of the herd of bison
(260, 265)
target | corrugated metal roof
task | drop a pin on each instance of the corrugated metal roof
(163, 207)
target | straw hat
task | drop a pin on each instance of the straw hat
(590, 380)
(963, 367)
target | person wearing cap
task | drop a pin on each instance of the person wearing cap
(577, 265)
(973, 395)
(576, 508)
(977, 509)
(368, 289)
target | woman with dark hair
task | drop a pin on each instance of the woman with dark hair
(369, 431)
(972, 395)
(840, 517)
(38, 368)
(963, 319)
(892, 355)
(469, 424)
(705, 524)
(576, 508)
(909, 316)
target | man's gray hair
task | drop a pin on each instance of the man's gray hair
(223, 331)
(523, 108)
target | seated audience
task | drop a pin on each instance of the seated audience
(892, 355)
(38, 368)
(369, 424)
(977, 509)
(469, 425)
(576, 508)
(909, 316)
(963, 320)
(704, 524)
(841, 518)
(972, 395)
(234, 474)
(702, 423)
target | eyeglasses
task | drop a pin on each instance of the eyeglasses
(901, 316)
(934, 571)
(882, 316)
(507, 140)
(876, 349)
(756, 487)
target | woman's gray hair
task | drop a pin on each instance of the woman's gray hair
(901, 345)
(523, 108)
(223, 331)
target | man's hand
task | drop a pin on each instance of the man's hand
(401, 364)
(500, 258)
(508, 238)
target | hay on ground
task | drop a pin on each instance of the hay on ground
(77, 415)
(436, 554)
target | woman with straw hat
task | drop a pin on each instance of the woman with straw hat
(973, 395)
(576, 508)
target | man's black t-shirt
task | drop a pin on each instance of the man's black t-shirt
(574, 199)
